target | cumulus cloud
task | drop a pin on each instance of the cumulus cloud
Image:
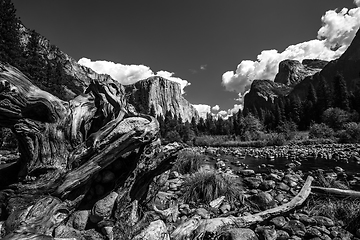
(235, 109)
(215, 108)
(357, 2)
(202, 109)
(129, 74)
(337, 31)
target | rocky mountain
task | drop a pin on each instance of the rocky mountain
(81, 75)
(263, 94)
(291, 73)
(162, 95)
(294, 78)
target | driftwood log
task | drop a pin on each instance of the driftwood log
(67, 149)
(336, 192)
(196, 227)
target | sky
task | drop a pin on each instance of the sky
(213, 48)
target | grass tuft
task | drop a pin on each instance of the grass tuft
(188, 161)
(205, 186)
(345, 210)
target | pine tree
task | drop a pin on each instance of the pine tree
(194, 126)
(35, 66)
(10, 46)
(341, 95)
(295, 109)
(323, 93)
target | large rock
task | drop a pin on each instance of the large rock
(292, 71)
(263, 94)
(239, 234)
(155, 231)
(161, 94)
(103, 208)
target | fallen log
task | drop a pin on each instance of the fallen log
(196, 227)
(336, 191)
(72, 154)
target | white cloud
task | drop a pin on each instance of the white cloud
(129, 74)
(235, 109)
(170, 76)
(203, 67)
(357, 2)
(202, 109)
(336, 34)
(215, 108)
(222, 113)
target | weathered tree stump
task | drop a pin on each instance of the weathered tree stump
(73, 154)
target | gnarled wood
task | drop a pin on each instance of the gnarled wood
(196, 226)
(64, 148)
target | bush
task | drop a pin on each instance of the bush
(188, 161)
(350, 134)
(320, 131)
(205, 186)
(172, 136)
(335, 118)
(288, 129)
(275, 139)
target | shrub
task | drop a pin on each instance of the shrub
(335, 118)
(205, 186)
(172, 136)
(275, 139)
(321, 131)
(288, 129)
(350, 134)
(188, 161)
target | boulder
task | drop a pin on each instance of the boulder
(239, 234)
(155, 231)
(263, 200)
(103, 208)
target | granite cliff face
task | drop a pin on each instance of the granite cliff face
(292, 72)
(164, 95)
(263, 94)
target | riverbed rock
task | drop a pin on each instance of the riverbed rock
(267, 185)
(263, 200)
(225, 207)
(239, 234)
(63, 231)
(203, 213)
(79, 219)
(283, 186)
(323, 221)
(103, 207)
(266, 232)
(155, 231)
(282, 235)
(217, 202)
(279, 221)
(252, 182)
(295, 227)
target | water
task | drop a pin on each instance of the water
(280, 163)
